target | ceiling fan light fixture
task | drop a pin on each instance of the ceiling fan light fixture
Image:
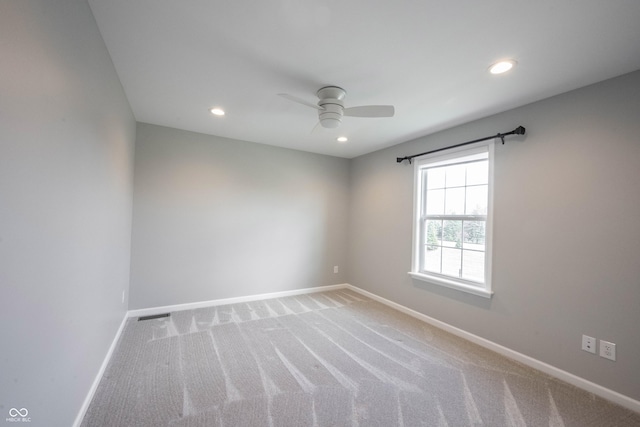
(502, 66)
(330, 122)
(342, 139)
(216, 111)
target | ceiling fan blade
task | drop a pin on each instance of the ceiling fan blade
(299, 101)
(370, 111)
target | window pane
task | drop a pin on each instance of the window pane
(473, 266)
(435, 202)
(452, 234)
(476, 200)
(455, 175)
(474, 235)
(435, 178)
(478, 173)
(434, 233)
(451, 261)
(432, 258)
(454, 201)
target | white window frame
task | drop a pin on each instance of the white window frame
(448, 157)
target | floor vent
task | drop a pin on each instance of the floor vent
(154, 316)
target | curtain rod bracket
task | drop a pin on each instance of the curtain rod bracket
(520, 130)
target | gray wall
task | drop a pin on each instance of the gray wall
(66, 147)
(567, 232)
(218, 218)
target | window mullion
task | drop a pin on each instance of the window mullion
(455, 217)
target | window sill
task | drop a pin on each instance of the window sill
(452, 284)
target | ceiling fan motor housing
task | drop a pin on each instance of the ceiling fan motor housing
(332, 106)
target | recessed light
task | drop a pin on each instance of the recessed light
(217, 111)
(502, 66)
(342, 139)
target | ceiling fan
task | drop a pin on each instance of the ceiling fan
(331, 107)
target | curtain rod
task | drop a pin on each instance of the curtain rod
(517, 131)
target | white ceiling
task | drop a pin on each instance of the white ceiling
(428, 58)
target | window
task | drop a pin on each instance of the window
(452, 229)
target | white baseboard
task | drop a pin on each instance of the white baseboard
(565, 376)
(98, 378)
(190, 306)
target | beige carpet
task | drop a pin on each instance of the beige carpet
(325, 359)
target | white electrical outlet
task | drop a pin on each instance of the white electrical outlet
(589, 344)
(607, 350)
(335, 268)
